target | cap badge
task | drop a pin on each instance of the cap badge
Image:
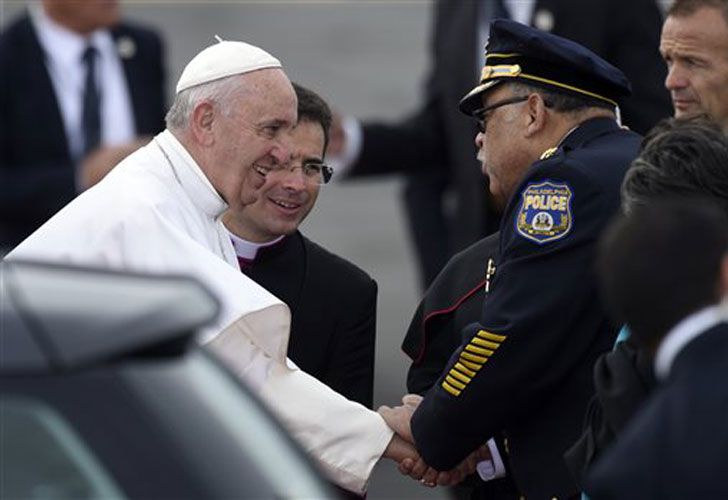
(500, 71)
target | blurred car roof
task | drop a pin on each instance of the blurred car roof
(59, 317)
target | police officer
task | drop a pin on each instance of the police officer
(555, 154)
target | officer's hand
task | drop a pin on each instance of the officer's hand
(412, 400)
(418, 469)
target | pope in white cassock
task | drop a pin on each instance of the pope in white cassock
(159, 211)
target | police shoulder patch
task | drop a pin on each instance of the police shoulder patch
(545, 211)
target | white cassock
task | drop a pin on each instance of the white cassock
(156, 212)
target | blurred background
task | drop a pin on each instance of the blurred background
(366, 58)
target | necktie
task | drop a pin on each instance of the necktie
(91, 113)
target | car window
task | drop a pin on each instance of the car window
(203, 403)
(42, 457)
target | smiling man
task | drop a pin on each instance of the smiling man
(694, 44)
(160, 211)
(333, 302)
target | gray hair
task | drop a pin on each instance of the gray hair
(220, 92)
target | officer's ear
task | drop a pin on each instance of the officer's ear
(537, 114)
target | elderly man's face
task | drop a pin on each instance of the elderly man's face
(84, 16)
(500, 144)
(695, 48)
(256, 130)
(287, 197)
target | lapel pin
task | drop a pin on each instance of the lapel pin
(544, 20)
(126, 47)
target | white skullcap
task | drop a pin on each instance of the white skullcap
(226, 58)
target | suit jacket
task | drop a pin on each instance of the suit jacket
(37, 174)
(676, 447)
(437, 141)
(333, 313)
(525, 368)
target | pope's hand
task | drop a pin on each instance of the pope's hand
(398, 419)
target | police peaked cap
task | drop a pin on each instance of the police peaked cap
(522, 53)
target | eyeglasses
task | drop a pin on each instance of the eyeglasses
(313, 172)
(480, 114)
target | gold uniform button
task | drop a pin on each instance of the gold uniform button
(548, 153)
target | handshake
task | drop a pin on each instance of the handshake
(403, 451)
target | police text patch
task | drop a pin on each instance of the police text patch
(545, 212)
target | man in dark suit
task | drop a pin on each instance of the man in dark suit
(434, 145)
(555, 156)
(333, 302)
(664, 269)
(60, 133)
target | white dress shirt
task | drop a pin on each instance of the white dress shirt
(64, 49)
(685, 332)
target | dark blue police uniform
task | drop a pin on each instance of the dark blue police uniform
(525, 368)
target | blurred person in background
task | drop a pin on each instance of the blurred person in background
(684, 158)
(333, 303)
(664, 271)
(445, 197)
(80, 90)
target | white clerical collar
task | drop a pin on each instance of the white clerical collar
(247, 249)
(682, 334)
(190, 175)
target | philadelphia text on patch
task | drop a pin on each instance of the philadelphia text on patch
(545, 212)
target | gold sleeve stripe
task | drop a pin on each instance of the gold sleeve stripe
(478, 350)
(484, 343)
(450, 389)
(453, 382)
(501, 54)
(491, 336)
(460, 366)
(456, 374)
(473, 357)
(472, 366)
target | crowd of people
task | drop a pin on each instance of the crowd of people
(518, 389)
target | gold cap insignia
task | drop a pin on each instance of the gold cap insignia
(500, 71)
